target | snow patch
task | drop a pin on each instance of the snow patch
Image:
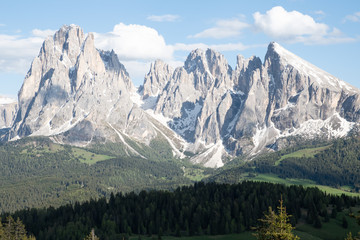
(187, 122)
(7, 100)
(335, 127)
(212, 157)
(125, 143)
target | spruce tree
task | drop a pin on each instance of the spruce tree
(276, 226)
(91, 236)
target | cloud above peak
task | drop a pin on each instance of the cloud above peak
(294, 26)
(134, 42)
(224, 28)
(163, 18)
(281, 24)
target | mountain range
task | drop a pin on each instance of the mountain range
(77, 94)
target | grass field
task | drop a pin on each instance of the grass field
(272, 178)
(307, 152)
(88, 157)
(332, 230)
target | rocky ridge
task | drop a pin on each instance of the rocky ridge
(256, 107)
(80, 95)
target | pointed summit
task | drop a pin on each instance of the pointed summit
(70, 86)
(277, 54)
(155, 81)
(209, 60)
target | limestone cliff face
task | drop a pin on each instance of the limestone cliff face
(78, 94)
(255, 107)
(157, 78)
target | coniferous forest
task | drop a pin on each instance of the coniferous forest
(201, 209)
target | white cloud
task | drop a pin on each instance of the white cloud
(43, 33)
(134, 42)
(17, 52)
(223, 29)
(218, 47)
(164, 18)
(353, 17)
(296, 27)
(320, 12)
(2, 25)
(279, 23)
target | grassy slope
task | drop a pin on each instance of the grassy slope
(272, 178)
(307, 152)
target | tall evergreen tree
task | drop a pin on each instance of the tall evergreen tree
(276, 226)
(91, 236)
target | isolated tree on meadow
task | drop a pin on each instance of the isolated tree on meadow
(276, 226)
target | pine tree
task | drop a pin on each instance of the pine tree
(276, 226)
(91, 236)
(14, 230)
(350, 237)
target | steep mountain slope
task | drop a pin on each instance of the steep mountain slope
(254, 108)
(78, 95)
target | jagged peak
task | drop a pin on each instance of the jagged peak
(158, 64)
(111, 61)
(66, 32)
(242, 63)
(286, 59)
(208, 60)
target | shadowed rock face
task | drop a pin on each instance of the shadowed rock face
(78, 94)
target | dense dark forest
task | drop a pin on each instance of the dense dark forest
(209, 209)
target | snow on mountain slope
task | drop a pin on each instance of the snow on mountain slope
(306, 68)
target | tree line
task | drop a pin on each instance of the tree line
(201, 209)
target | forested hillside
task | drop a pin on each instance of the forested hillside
(201, 209)
(35, 172)
(334, 164)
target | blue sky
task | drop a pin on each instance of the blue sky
(325, 33)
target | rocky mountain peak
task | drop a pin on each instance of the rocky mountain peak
(280, 59)
(72, 85)
(78, 94)
(209, 60)
(155, 81)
